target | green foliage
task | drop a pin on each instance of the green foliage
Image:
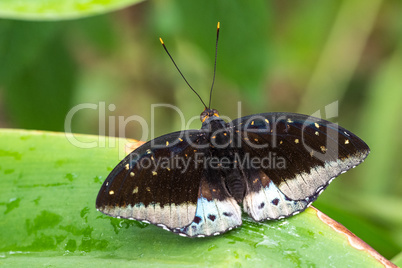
(398, 259)
(48, 216)
(41, 78)
(273, 56)
(58, 10)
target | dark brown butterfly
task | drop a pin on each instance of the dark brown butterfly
(193, 182)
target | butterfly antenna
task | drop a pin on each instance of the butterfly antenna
(216, 56)
(163, 44)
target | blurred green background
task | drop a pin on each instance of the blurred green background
(294, 56)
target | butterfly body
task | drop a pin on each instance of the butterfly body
(194, 182)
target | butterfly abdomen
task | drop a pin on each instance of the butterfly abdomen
(236, 186)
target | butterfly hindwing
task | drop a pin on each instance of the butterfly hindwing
(163, 193)
(217, 212)
(264, 201)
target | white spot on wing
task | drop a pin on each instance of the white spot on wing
(320, 192)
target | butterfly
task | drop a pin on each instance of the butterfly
(195, 183)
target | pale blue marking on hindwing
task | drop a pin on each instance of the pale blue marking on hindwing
(270, 203)
(212, 218)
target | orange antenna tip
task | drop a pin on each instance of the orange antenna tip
(160, 39)
(219, 25)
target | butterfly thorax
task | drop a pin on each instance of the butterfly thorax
(221, 149)
(215, 129)
(211, 121)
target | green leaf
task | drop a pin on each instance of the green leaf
(41, 78)
(59, 9)
(40, 72)
(398, 259)
(48, 188)
(378, 109)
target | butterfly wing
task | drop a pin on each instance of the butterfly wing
(264, 201)
(304, 154)
(153, 183)
(217, 211)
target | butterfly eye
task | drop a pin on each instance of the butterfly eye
(204, 116)
(215, 113)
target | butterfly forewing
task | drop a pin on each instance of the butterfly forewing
(305, 153)
(155, 183)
